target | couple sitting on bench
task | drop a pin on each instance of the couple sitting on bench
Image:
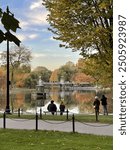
(52, 108)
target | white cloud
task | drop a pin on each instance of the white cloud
(37, 18)
(60, 55)
(34, 16)
(33, 36)
(35, 5)
(38, 55)
(21, 37)
(39, 30)
(24, 24)
(37, 14)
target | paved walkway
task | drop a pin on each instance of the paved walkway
(66, 126)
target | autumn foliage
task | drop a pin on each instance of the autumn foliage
(82, 78)
(2, 79)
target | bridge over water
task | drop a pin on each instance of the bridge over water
(69, 85)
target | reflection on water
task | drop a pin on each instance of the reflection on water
(75, 101)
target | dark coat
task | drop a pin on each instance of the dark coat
(96, 104)
(104, 100)
(62, 107)
(52, 107)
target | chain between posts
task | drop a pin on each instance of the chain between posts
(36, 122)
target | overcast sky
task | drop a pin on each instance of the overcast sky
(35, 35)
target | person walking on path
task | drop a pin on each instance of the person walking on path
(96, 105)
(52, 107)
(104, 104)
(62, 108)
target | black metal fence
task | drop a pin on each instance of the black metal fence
(38, 117)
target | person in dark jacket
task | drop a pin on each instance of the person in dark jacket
(62, 108)
(104, 104)
(52, 107)
(96, 105)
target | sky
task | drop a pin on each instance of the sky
(34, 34)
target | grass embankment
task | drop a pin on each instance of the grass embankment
(84, 118)
(50, 140)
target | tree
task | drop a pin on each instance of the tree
(82, 78)
(84, 25)
(43, 72)
(20, 79)
(19, 57)
(99, 71)
(32, 80)
(2, 78)
(54, 76)
(67, 71)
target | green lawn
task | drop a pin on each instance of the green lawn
(82, 118)
(50, 140)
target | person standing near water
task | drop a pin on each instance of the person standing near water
(96, 105)
(104, 104)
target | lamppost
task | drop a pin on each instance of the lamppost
(10, 23)
(7, 110)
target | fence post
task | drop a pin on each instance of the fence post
(19, 112)
(67, 114)
(73, 123)
(40, 113)
(36, 121)
(4, 120)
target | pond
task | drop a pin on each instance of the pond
(76, 101)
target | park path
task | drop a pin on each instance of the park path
(66, 126)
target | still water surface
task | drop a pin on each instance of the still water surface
(76, 101)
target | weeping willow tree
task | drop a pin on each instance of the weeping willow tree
(85, 26)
